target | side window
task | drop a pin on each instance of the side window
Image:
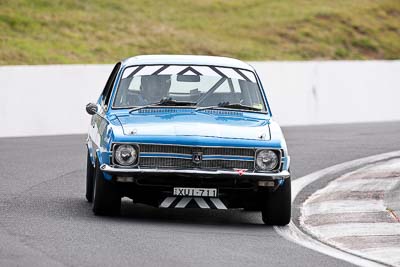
(105, 95)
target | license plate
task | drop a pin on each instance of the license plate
(195, 192)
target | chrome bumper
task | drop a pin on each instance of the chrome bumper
(258, 175)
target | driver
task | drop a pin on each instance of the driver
(153, 88)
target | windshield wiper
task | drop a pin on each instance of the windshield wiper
(238, 106)
(173, 102)
(166, 102)
(233, 106)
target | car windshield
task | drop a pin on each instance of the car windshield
(195, 86)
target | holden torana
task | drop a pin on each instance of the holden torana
(175, 131)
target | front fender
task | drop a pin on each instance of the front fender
(277, 136)
(100, 140)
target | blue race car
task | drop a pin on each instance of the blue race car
(176, 131)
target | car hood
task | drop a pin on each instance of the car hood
(196, 123)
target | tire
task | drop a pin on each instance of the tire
(277, 205)
(89, 179)
(106, 198)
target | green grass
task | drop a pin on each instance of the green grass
(104, 31)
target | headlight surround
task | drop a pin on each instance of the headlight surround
(125, 155)
(267, 160)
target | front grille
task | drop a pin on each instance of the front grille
(165, 162)
(227, 164)
(173, 162)
(150, 162)
(226, 151)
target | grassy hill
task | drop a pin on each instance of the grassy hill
(104, 31)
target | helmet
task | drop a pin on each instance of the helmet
(153, 88)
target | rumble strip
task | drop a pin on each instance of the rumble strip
(352, 213)
(293, 233)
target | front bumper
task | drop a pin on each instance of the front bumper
(205, 173)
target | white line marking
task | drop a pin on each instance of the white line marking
(392, 254)
(183, 202)
(201, 202)
(167, 202)
(218, 203)
(294, 234)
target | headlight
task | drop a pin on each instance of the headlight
(125, 155)
(267, 160)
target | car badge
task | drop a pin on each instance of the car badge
(262, 136)
(197, 157)
(240, 171)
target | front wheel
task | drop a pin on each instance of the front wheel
(277, 205)
(106, 198)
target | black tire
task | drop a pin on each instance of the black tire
(89, 179)
(277, 205)
(106, 198)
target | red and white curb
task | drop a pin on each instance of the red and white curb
(350, 213)
(349, 216)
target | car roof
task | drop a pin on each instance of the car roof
(186, 60)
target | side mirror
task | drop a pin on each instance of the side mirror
(91, 108)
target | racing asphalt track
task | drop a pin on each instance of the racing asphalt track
(45, 220)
